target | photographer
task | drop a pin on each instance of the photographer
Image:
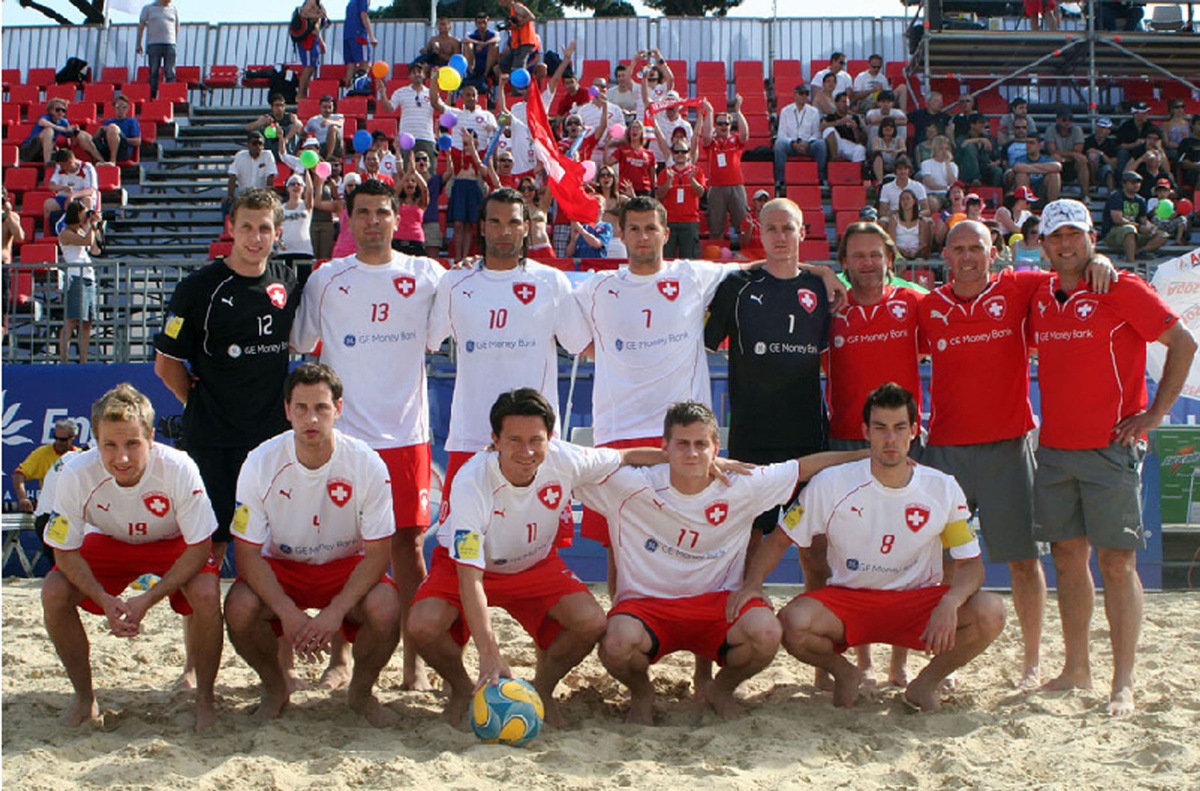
(79, 241)
(523, 40)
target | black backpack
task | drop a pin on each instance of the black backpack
(75, 70)
(300, 28)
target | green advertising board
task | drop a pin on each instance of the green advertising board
(1178, 452)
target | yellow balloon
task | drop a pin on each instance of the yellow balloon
(449, 79)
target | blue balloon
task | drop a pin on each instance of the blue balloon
(519, 78)
(445, 142)
(362, 140)
(459, 64)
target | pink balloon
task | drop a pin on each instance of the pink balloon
(448, 120)
(323, 169)
(406, 141)
(617, 131)
(593, 92)
(589, 170)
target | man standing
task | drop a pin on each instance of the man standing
(40, 460)
(161, 19)
(313, 526)
(799, 134)
(130, 507)
(364, 309)
(523, 40)
(1091, 367)
(886, 524)
(417, 104)
(680, 185)
(723, 164)
(358, 39)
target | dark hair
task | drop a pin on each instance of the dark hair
(63, 155)
(916, 207)
(890, 396)
(887, 121)
(886, 96)
(75, 213)
(837, 97)
(975, 118)
(836, 56)
(902, 160)
(687, 413)
(276, 97)
(802, 88)
(620, 68)
(259, 198)
(504, 195)
(328, 98)
(311, 374)
(1030, 224)
(643, 203)
(1016, 101)
(372, 187)
(522, 402)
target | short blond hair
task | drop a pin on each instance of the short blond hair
(785, 204)
(124, 403)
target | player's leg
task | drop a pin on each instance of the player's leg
(202, 634)
(1029, 602)
(583, 623)
(247, 619)
(753, 640)
(409, 467)
(1076, 600)
(85, 141)
(1123, 603)
(811, 633)
(625, 651)
(378, 616)
(408, 569)
(814, 565)
(428, 632)
(980, 621)
(60, 611)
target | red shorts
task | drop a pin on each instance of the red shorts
(311, 586)
(409, 469)
(116, 563)
(594, 525)
(528, 595)
(695, 623)
(457, 458)
(873, 616)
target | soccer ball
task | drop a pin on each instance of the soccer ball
(510, 712)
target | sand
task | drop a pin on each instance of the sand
(986, 737)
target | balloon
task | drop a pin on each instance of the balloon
(519, 78)
(448, 120)
(323, 170)
(589, 170)
(1184, 207)
(593, 92)
(379, 69)
(445, 142)
(406, 141)
(362, 140)
(1165, 209)
(459, 64)
(309, 159)
(271, 132)
(617, 131)
(449, 79)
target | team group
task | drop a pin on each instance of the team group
(321, 477)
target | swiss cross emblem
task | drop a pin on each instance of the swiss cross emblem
(525, 292)
(807, 299)
(716, 513)
(277, 294)
(669, 289)
(899, 310)
(995, 308)
(916, 517)
(1084, 309)
(157, 503)
(339, 491)
(405, 285)
(551, 496)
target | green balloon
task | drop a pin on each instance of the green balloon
(271, 132)
(1165, 209)
(309, 159)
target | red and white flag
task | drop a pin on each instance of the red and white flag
(564, 175)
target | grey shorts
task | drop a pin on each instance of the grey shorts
(433, 234)
(81, 299)
(1092, 493)
(997, 478)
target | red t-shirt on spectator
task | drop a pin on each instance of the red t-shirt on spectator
(681, 201)
(637, 166)
(723, 161)
(568, 100)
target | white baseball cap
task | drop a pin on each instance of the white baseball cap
(1068, 213)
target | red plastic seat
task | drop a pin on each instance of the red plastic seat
(388, 125)
(10, 77)
(9, 155)
(787, 75)
(39, 253)
(757, 172)
(67, 92)
(221, 77)
(27, 96)
(32, 202)
(595, 68)
(748, 70)
(802, 171)
(353, 107)
(323, 87)
(108, 179)
(307, 108)
(112, 76)
(136, 92)
(845, 173)
(156, 111)
(98, 92)
(18, 180)
(844, 219)
(814, 224)
(815, 250)
(189, 75)
(806, 196)
(849, 197)
(173, 92)
(41, 76)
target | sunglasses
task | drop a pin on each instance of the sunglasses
(681, 151)
(722, 123)
(58, 440)
(528, 189)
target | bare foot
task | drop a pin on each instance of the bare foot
(922, 696)
(702, 680)
(554, 717)
(846, 686)
(456, 707)
(293, 681)
(949, 683)
(374, 712)
(206, 716)
(823, 680)
(1120, 703)
(1068, 681)
(725, 704)
(418, 683)
(641, 711)
(1031, 680)
(187, 679)
(79, 712)
(898, 670)
(335, 676)
(271, 706)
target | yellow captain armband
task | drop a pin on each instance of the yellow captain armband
(957, 534)
(241, 519)
(56, 528)
(174, 325)
(791, 517)
(466, 545)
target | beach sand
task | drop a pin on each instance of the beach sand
(987, 736)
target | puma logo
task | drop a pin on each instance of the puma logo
(344, 289)
(228, 301)
(757, 298)
(286, 493)
(498, 512)
(614, 292)
(858, 510)
(937, 314)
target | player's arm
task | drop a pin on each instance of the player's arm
(1181, 348)
(254, 569)
(76, 569)
(765, 559)
(492, 666)
(175, 375)
(1100, 273)
(813, 463)
(186, 566)
(943, 621)
(318, 633)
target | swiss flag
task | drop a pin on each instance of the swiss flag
(915, 516)
(157, 503)
(525, 292)
(565, 175)
(339, 491)
(278, 294)
(551, 495)
(405, 285)
(669, 289)
(807, 299)
(716, 512)
(899, 310)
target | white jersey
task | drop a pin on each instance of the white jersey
(416, 111)
(882, 538)
(648, 332)
(45, 500)
(479, 121)
(169, 501)
(496, 526)
(590, 115)
(504, 324)
(313, 516)
(520, 142)
(670, 545)
(372, 319)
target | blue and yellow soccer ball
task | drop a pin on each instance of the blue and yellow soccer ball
(510, 712)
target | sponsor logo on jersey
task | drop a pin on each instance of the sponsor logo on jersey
(405, 285)
(838, 341)
(234, 351)
(669, 289)
(349, 341)
(916, 516)
(756, 298)
(791, 517)
(1084, 309)
(277, 294)
(525, 292)
(651, 545)
(852, 564)
(550, 495)
(899, 310)
(340, 491)
(995, 307)
(716, 512)
(174, 325)
(241, 518)
(157, 503)
(466, 545)
(807, 299)
(941, 344)
(760, 347)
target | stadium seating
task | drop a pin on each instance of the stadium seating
(221, 77)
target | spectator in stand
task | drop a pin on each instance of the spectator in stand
(502, 170)
(909, 230)
(954, 211)
(52, 128)
(434, 184)
(251, 168)
(10, 228)
(939, 172)
(1035, 170)
(722, 157)
(975, 154)
(118, 136)
(574, 96)
(1018, 113)
(523, 40)
(537, 201)
(680, 185)
(295, 245)
(843, 82)
(322, 228)
(71, 180)
(409, 236)
(417, 105)
(1026, 247)
(466, 193)
(473, 120)
(886, 108)
(382, 145)
(1103, 153)
(310, 42)
(625, 95)
(823, 96)
(158, 26)
(1131, 135)
(79, 240)
(344, 245)
(369, 168)
(287, 126)
(41, 460)
(1064, 144)
(799, 134)
(1172, 225)
(872, 84)
(1118, 15)
(327, 128)
(358, 38)
(590, 240)
(657, 79)
(669, 124)
(1011, 216)
(1042, 11)
(845, 136)
(932, 113)
(600, 115)
(481, 48)
(889, 193)
(1175, 129)
(1152, 164)
(752, 244)
(440, 48)
(885, 148)
(1189, 156)
(606, 190)
(635, 161)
